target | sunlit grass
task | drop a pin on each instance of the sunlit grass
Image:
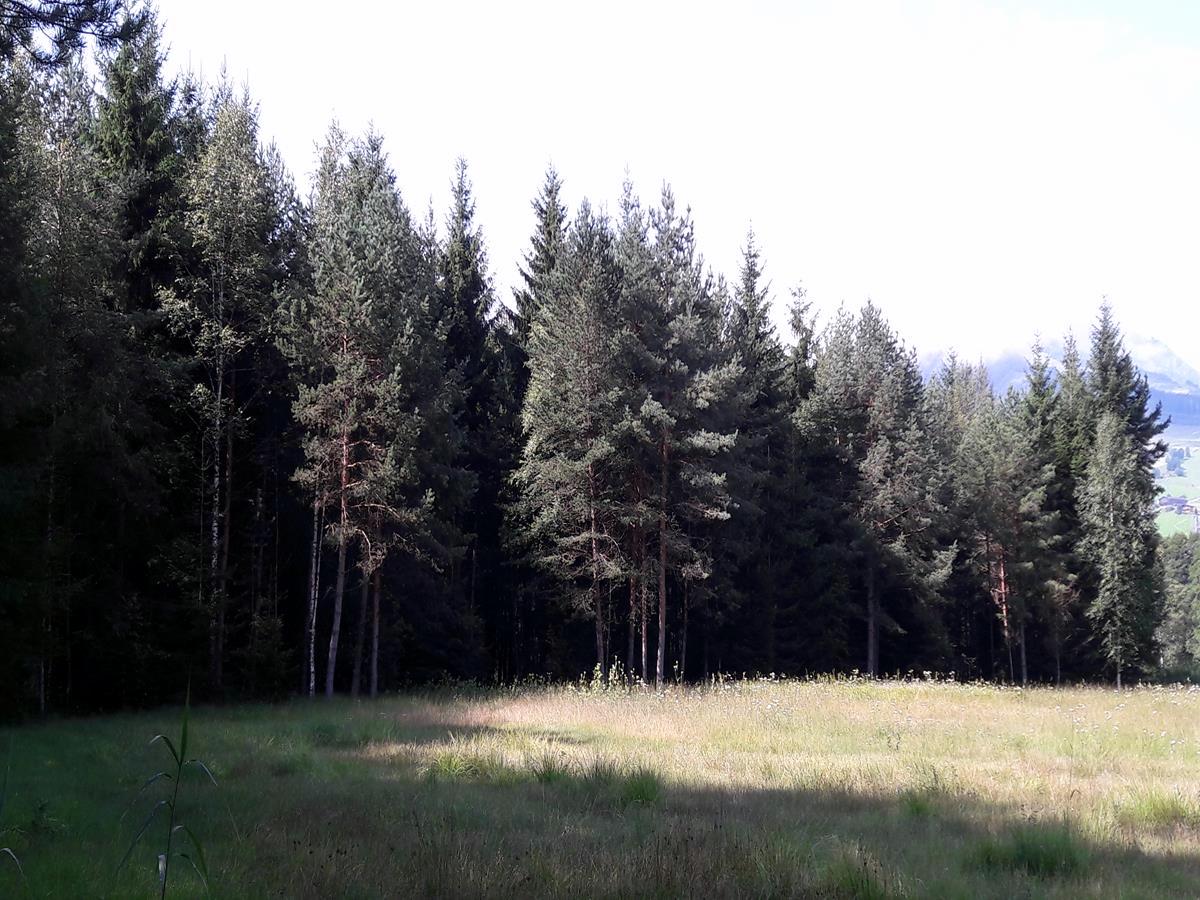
(842, 788)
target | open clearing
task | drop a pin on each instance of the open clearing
(843, 788)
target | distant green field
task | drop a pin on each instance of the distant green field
(1170, 523)
(1186, 485)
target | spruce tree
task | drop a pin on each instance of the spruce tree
(567, 468)
(366, 356)
(547, 246)
(1119, 525)
(223, 311)
(681, 413)
(747, 570)
(868, 404)
(136, 139)
(65, 25)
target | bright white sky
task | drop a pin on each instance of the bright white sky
(983, 171)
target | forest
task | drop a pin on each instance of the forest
(271, 443)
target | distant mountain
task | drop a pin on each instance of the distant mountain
(1173, 382)
(1167, 373)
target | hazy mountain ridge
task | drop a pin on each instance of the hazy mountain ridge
(1173, 382)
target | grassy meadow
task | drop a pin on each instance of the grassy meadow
(830, 788)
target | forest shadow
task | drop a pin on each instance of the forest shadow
(542, 822)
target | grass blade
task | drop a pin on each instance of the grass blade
(8, 852)
(4, 786)
(203, 866)
(202, 767)
(153, 779)
(203, 879)
(141, 831)
(170, 746)
(183, 737)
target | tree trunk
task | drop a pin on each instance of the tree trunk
(226, 517)
(214, 643)
(629, 652)
(644, 617)
(1057, 659)
(601, 656)
(375, 634)
(660, 663)
(872, 626)
(360, 638)
(256, 568)
(314, 589)
(1024, 662)
(340, 587)
(599, 631)
(683, 640)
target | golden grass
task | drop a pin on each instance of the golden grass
(838, 788)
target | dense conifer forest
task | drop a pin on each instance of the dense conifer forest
(292, 444)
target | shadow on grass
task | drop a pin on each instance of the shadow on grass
(414, 798)
(483, 821)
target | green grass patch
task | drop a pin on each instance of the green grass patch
(1044, 851)
(1158, 808)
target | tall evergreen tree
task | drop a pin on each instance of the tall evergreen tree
(547, 245)
(747, 566)
(223, 311)
(1118, 526)
(566, 472)
(65, 26)
(683, 396)
(371, 399)
(868, 403)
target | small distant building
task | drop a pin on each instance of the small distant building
(1174, 504)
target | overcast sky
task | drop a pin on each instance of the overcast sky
(983, 171)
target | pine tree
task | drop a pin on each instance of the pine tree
(366, 354)
(683, 397)
(547, 246)
(66, 26)
(567, 468)
(223, 311)
(1118, 526)
(1179, 633)
(747, 569)
(1051, 576)
(483, 354)
(136, 137)
(868, 404)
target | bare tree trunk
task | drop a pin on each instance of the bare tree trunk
(256, 568)
(360, 638)
(683, 642)
(214, 640)
(340, 588)
(1004, 613)
(872, 625)
(601, 657)
(644, 624)
(599, 620)
(314, 587)
(375, 634)
(1024, 663)
(474, 541)
(226, 517)
(629, 652)
(660, 663)
(1057, 657)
